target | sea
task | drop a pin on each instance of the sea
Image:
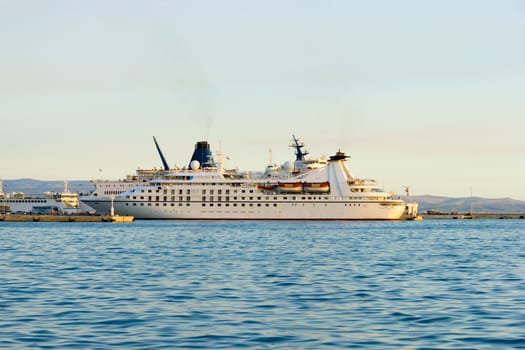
(432, 284)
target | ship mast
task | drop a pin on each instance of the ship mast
(164, 163)
(300, 152)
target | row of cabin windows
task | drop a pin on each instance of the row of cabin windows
(204, 204)
(24, 200)
(219, 198)
(228, 204)
(211, 191)
(227, 192)
(227, 198)
(241, 204)
(157, 204)
(108, 193)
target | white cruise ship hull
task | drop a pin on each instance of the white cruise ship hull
(276, 210)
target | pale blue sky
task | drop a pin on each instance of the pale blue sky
(426, 94)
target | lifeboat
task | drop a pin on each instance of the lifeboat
(292, 187)
(316, 187)
(266, 187)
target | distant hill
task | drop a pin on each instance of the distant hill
(462, 205)
(35, 187)
(426, 202)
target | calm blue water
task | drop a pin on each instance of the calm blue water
(263, 285)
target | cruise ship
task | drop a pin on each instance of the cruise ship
(65, 203)
(323, 189)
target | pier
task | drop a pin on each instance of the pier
(65, 218)
(480, 216)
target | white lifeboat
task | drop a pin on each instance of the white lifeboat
(266, 187)
(316, 187)
(292, 187)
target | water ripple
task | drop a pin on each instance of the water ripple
(280, 285)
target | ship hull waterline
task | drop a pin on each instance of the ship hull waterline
(318, 211)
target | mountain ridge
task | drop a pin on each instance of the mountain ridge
(467, 204)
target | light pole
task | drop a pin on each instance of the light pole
(4, 194)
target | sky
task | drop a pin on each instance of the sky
(424, 94)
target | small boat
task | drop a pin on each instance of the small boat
(316, 187)
(293, 187)
(123, 218)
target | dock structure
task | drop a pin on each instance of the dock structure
(65, 218)
(475, 216)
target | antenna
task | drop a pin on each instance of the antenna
(300, 152)
(471, 201)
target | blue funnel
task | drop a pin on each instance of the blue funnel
(203, 155)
